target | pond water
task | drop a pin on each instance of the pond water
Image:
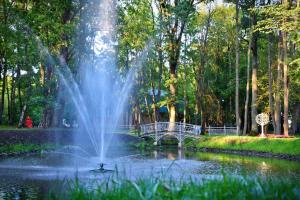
(34, 176)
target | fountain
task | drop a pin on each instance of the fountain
(100, 98)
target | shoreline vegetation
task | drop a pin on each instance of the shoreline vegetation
(282, 148)
(158, 188)
(12, 150)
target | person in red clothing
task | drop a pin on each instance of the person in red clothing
(28, 122)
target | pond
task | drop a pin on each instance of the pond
(34, 176)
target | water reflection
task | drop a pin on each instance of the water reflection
(31, 177)
(255, 165)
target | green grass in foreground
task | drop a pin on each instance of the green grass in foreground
(156, 189)
(22, 148)
(289, 146)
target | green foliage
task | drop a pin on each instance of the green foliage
(144, 145)
(35, 33)
(226, 187)
(277, 17)
(24, 148)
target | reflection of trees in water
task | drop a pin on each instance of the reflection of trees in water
(170, 154)
(256, 165)
(264, 168)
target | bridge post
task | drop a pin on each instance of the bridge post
(180, 136)
(156, 135)
(179, 145)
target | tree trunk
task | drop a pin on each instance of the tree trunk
(277, 114)
(271, 103)
(19, 87)
(230, 95)
(185, 86)
(48, 110)
(203, 121)
(154, 103)
(9, 117)
(196, 112)
(154, 98)
(148, 109)
(3, 92)
(13, 95)
(3, 62)
(172, 105)
(160, 72)
(254, 78)
(160, 64)
(285, 86)
(248, 86)
(237, 63)
(20, 124)
(136, 114)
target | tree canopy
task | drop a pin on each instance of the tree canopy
(189, 74)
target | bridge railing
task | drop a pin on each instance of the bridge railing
(160, 127)
(170, 127)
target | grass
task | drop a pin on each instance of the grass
(226, 187)
(15, 128)
(289, 146)
(7, 127)
(23, 148)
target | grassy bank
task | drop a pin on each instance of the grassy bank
(24, 148)
(157, 189)
(288, 146)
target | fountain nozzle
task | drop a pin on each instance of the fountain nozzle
(101, 167)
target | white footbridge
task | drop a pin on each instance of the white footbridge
(180, 131)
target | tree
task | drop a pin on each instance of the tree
(281, 18)
(175, 18)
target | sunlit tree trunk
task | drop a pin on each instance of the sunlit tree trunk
(248, 85)
(172, 104)
(277, 114)
(285, 86)
(254, 84)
